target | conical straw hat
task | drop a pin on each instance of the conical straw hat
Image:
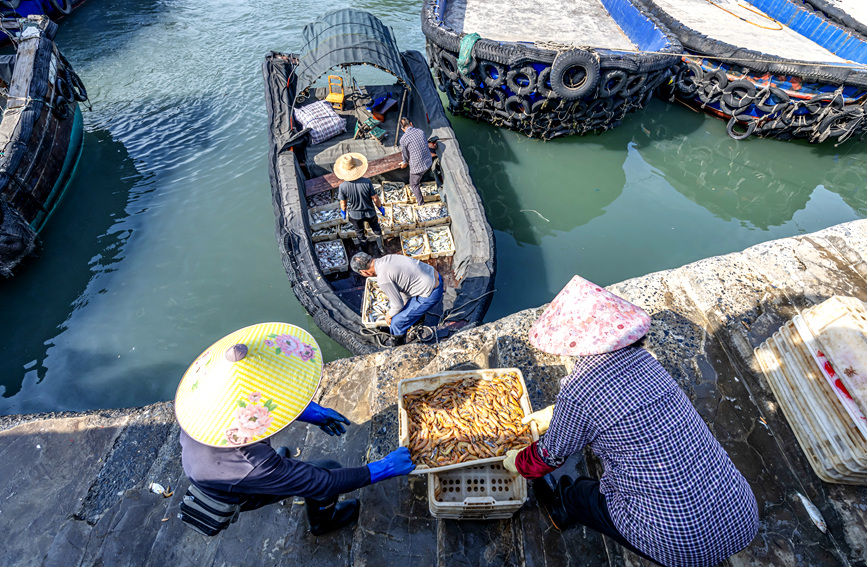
(350, 167)
(586, 319)
(249, 385)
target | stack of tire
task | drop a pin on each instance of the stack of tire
(754, 105)
(568, 92)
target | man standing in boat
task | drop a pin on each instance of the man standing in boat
(358, 197)
(416, 154)
(413, 288)
(669, 491)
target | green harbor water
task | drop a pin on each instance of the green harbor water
(165, 239)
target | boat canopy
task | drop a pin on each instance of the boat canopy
(347, 37)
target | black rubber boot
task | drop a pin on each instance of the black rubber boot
(325, 517)
(395, 340)
(549, 498)
(380, 245)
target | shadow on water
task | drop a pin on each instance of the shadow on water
(47, 287)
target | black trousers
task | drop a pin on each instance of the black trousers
(358, 224)
(583, 503)
(255, 501)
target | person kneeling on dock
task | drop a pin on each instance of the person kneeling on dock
(669, 491)
(358, 197)
(413, 288)
(236, 395)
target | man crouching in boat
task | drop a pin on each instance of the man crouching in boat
(358, 197)
(413, 288)
(669, 491)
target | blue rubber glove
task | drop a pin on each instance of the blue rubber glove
(382, 211)
(328, 420)
(396, 463)
(343, 214)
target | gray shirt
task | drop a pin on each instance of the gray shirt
(358, 195)
(401, 278)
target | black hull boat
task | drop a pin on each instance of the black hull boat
(41, 136)
(771, 68)
(315, 252)
(547, 69)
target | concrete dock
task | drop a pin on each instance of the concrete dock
(74, 487)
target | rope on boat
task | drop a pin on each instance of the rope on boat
(754, 11)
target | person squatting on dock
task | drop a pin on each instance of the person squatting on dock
(358, 197)
(669, 491)
(413, 288)
(225, 440)
(417, 154)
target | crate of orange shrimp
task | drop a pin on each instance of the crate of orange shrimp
(459, 418)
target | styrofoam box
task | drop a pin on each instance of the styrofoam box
(478, 492)
(434, 381)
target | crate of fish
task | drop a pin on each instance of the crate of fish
(374, 305)
(385, 222)
(403, 217)
(440, 240)
(346, 230)
(413, 243)
(432, 214)
(429, 191)
(394, 192)
(327, 233)
(463, 418)
(324, 216)
(332, 256)
(478, 492)
(321, 199)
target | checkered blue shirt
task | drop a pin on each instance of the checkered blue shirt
(671, 489)
(413, 148)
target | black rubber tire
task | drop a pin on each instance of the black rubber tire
(842, 123)
(529, 73)
(62, 6)
(730, 128)
(473, 80)
(611, 82)
(778, 94)
(77, 85)
(712, 87)
(61, 107)
(11, 4)
(485, 71)
(688, 79)
(516, 107)
(454, 94)
(598, 108)
(633, 84)
(497, 97)
(819, 102)
(449, 66)
(737, 97)
(543, 106)
(543, 84)
(574, 74)
(62, 89)
(472, 96)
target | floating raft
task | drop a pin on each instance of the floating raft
(532, 70)
(41, 136)
(772, 68)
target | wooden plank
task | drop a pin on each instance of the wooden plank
(374, 167)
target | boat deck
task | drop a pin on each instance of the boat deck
(714, 22)
(855, 8)
(570, 23)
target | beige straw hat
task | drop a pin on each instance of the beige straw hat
(350, 167)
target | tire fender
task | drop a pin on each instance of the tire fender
(516, 107)
(449, 65)
(62, 6)
(730, 128)
(543, 83)
(513, 77)
(497, 97)
(611, 82)
(492, 73)
(574, 74)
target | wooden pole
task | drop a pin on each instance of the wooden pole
(399, 116)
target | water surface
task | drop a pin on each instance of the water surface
(165, 239)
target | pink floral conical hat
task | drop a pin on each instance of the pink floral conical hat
(585, 319)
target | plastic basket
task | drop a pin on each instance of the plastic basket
(434, 381)
(442, 219)
(422, 254)
(405, 221)
(346, 230)
(322, 199)
(331, 214)
(439, 230)
(478, 492)
(394, 192)
(327, 233)
(369, 285)
(331, 267)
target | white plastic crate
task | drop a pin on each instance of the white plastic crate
(369, 285)
(429, 191)
(403, 217)
(332, 256)
(444, 233)
(479, 492)
(394, 192)
(324, 216)
(422, 254)
(432, 214)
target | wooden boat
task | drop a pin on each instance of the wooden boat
(772, 68)
(41, 135)
(548, 69)
(300, 176)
